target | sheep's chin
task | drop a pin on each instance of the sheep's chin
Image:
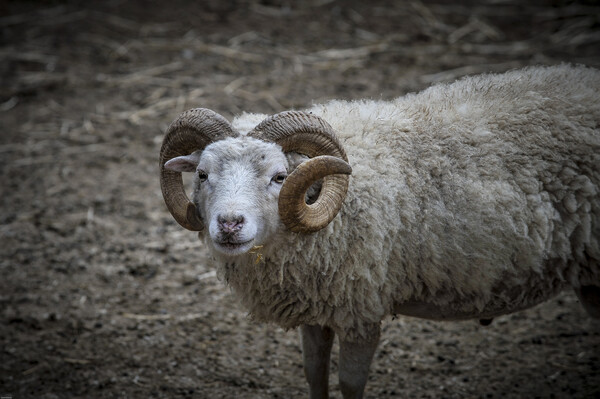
(233, 249)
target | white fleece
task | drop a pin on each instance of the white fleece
(480, 197)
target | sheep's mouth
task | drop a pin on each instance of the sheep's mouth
(233, 247)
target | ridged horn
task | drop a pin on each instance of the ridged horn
(309, 135)
(191, 131)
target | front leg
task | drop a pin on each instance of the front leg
(355, 359)
(316, 349)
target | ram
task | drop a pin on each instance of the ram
(467, 200)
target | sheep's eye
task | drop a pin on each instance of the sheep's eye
(202, 175)
(279, 178)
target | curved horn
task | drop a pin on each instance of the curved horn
(310, 135)
(193, 130)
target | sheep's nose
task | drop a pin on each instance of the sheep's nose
(230, 224)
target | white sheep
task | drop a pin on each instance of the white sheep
(468, 200)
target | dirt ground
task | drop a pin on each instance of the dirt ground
(103, 295)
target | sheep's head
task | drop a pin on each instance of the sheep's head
(242, 189)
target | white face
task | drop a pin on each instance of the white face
(236, 189)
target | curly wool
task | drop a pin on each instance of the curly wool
(479, 197)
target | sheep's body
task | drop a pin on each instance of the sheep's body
(467, 200)
(476, 198)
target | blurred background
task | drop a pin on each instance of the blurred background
(103, 295)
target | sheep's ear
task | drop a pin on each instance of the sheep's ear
(186, 163)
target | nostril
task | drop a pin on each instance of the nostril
(230, 224)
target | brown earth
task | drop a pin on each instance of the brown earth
(104, 296)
